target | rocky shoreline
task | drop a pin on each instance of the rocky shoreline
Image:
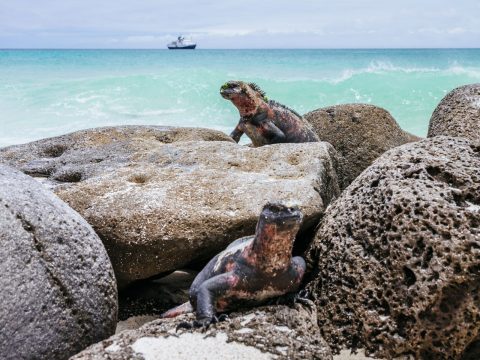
(391, 236)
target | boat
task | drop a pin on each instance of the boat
(182, 44)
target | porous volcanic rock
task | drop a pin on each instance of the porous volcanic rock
(58, 290)
(458, 114)
(360, 133)
(396, 258)
(275, 332)
(159, 206)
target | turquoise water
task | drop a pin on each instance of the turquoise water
(50, 92)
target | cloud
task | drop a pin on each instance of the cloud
(457, 30)
(145, 39)
(249, 23)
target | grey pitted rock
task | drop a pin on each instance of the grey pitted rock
(360, 133)
(74, 157)
(397, 256)
(275, 332)
(458, 114)
(159, 206)
(58, 292)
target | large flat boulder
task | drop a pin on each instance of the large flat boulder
(275, 332)
(396, 258)
(159, 206)
(458, 114)
(58, 290)
(74, 157)
(360, 133)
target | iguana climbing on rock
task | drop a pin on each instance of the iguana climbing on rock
(250, 270)
(265, 121)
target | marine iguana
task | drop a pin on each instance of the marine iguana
(250, 270)
(265, 121)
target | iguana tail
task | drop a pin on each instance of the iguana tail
(185, 308)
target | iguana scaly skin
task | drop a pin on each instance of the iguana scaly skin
(265, 121)
(251, 269)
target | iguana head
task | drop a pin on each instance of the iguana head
(277, 227)
(247, 97)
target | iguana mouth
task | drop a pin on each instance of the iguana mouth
(281, 213)
(230, 88)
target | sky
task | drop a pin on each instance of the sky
(240, 24)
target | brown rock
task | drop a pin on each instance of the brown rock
(458, 114)
(397, 256)
(158, 207)
(275, 332)
(360, 133)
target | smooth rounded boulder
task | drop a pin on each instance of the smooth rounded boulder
(396, 258)
(458, 114)
(160, 206)
(58, 290)
(270, 332)
(360, 133)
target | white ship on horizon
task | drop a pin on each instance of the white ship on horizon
(182, 44)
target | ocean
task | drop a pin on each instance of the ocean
(45, 93)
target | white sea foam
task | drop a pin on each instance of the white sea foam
(153, 112)
(374, 67)
(379, 67)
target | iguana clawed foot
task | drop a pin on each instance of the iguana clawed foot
(303, 297)
(290, 299)
(201, 323)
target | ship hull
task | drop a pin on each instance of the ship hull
(186, 47)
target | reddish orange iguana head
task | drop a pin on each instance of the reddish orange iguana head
(247, 97)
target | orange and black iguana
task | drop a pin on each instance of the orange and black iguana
(265, 121)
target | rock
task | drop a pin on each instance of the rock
(472, 352)
(275, 332)
(58, 290)
(360, 133)
(396, 258)
(458, 114)
(159, 207)
(75, 157)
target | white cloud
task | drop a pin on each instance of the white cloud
(457, 30)
(316, 23)
(145, 39)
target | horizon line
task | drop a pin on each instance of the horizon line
(256, 48)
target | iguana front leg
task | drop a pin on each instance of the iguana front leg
(204, 299)
(272, 133)
(238, 131)
(209, 292)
